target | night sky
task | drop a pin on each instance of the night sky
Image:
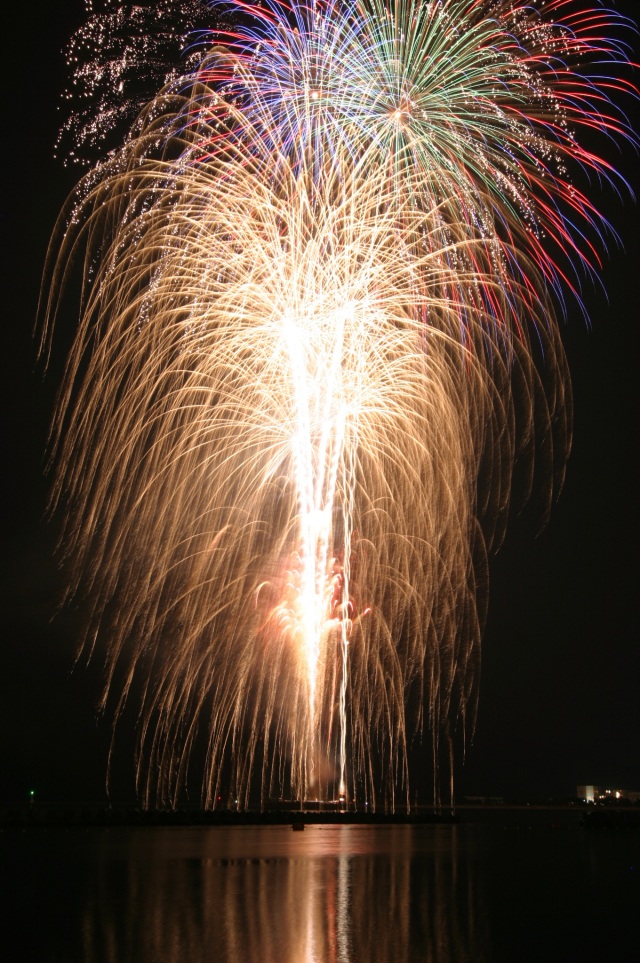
(560, 687)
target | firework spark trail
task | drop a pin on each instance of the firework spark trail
(303, 376)
(468, 94)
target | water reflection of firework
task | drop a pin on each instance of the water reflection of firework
(304, 373)
(338, 894)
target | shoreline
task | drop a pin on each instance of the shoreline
(66, 815)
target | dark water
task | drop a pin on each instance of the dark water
(512, 889)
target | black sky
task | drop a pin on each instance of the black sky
(560, 689)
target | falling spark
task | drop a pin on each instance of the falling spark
(317, 333)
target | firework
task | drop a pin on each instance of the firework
(317, 286)
(118, 60)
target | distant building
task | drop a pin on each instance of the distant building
(597, 794)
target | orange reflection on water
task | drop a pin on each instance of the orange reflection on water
(328, 895)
